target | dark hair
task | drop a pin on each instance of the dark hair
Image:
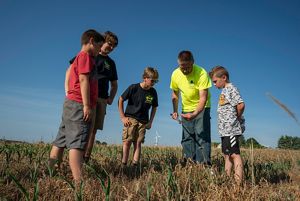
(185, 55)
(91, 33)
(219, 71)
(111, 37)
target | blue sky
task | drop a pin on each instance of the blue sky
(257, 41)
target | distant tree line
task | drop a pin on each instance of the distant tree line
(250, 141)
(284, 142)
(101, 143)
(243, 143)
(289, 142)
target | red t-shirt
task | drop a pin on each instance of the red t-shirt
(83, 64)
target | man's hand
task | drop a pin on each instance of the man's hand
(174, 115)
(189, 116)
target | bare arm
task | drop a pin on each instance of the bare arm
(203, 98)
(175, 98)
(113, 91)
(67, 78)
(240, 110)
(152, 115)
(85, 93)
(124, 119)
(200, 107)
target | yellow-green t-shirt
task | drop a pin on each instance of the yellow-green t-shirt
(189, 86)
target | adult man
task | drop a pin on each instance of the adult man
(106, 74)
(192, 82)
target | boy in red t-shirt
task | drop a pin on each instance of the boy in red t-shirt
(77, 110)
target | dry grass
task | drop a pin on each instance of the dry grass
(161, 175)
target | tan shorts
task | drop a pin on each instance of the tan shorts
(100, 113)
(135, 132)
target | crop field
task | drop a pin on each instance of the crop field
(269, 174)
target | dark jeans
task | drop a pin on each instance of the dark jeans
(196, 138)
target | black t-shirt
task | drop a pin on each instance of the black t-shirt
(106, 71)
(139, 102)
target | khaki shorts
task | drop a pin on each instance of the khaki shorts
(100, 113)
(135, 132)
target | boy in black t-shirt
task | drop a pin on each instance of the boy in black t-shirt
(141, 97)
(107, 86)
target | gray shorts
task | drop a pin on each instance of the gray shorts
(73, 131)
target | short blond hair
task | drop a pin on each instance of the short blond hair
(150, 72)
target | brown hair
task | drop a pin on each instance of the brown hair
(91, 33)
(111, 37)
(219, 71)
(151, 73)
(185, 55)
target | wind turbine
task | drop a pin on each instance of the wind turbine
(156, 138)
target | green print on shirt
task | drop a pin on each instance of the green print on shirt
(149, 99)
(106, 65)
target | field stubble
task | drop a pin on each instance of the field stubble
(270, 174)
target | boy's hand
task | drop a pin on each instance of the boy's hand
(148, 125)
(109, 100)
(87, 113)
(126, 121)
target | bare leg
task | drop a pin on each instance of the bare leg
(228, 164)
(137, 151)
(76, 160)
(126, 149)
(56, 155)
(238, 167)
(90, 143)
